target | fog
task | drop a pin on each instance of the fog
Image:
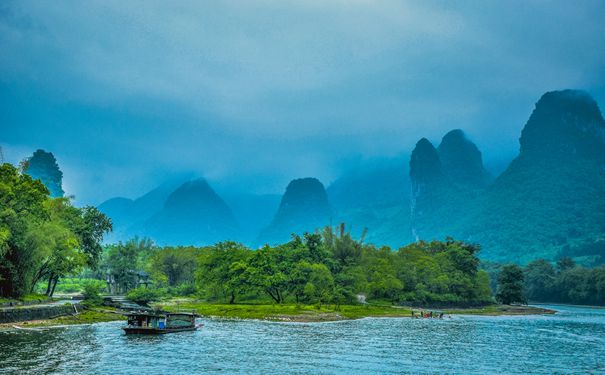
(253, 94)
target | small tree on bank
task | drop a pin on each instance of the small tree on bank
(511, 285)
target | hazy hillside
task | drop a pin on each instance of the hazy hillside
(304, 207)
(548, 202)
(552, 196)
(253, 212)
(192, 215)
(129, 215)
(374, 195)
(42, 165)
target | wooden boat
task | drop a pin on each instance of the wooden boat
(160, 322)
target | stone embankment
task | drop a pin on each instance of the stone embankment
(37, 312)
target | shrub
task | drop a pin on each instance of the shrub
(144, 295)
(91, 294)
(183, 290)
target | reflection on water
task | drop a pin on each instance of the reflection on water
(571, 341)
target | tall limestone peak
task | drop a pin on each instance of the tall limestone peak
(461, 160)
(425, 166)
(193, 196)
(551, 196)
(194, 214)
(563, 124)
(42, 165)
(428, 183)
(304, 207)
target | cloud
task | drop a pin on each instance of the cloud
(211, 87)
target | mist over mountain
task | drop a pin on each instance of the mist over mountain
(253, 212)
(461, 160)
(129, 215)
(193, 214)
(551, 199)
(374, 183)
(548, 202)
(304, 207)
(42, 165)
(372, 194)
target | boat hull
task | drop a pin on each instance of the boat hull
(154, 331)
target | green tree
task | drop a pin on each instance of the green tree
(173, 266)
(269, 271)
(74, 242)
(565, 264)
(320, 286)
(540, 278)
(345, 250)
(22, 207)
(511, 285)
(223, 270)
(124, 262)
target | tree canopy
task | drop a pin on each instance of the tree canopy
(43, 238)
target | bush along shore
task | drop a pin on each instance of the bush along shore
(87, 315)
(326, 275)
(314, 313)
(270, 312)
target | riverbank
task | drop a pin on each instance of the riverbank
(312, 313)
(277, 313)
(495, 310)
(87, 316)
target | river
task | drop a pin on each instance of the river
(572, 341)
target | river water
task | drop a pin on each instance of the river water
(572, 341)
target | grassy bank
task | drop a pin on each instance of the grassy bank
(312, 313)
(273, 312)
(31, 298)
(285, 312)
(502, 310)
(88, 316)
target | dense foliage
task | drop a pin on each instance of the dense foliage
(527, 212)
(565, 282)
(324, 268)
(510, 285)
(41, 238)
(560, 282)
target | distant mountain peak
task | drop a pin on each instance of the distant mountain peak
(303, 207)
(564, 123)
(425, 166)
(194, 214)
(42, 165)
(461, 160)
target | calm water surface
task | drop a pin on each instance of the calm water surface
(573, 341)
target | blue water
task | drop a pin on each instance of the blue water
(572, 341)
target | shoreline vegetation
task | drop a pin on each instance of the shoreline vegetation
(273, 313)
(311, 313)
(48, 245)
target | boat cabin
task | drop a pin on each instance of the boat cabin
(154, 322)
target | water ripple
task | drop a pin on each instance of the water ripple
(570, 342)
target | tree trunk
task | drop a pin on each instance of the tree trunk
(50, 283)
(232, 300)
(55, 280)
(41, 272)
(274, 297)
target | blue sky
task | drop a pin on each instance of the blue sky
(252, 94)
